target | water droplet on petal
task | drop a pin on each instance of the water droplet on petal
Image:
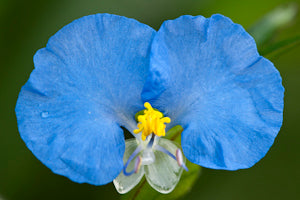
(44, 114)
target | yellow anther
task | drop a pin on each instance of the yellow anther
(152, 121)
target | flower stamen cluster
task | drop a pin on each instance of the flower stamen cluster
(152, 121)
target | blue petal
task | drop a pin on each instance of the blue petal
(207, 75)
(86, 84)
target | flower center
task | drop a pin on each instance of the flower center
(152, 121)
(148, 157)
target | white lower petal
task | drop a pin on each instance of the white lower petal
(164, 174)
(124, 183)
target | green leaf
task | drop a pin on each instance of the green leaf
(278, 18)
(143, 191)
(280, 47)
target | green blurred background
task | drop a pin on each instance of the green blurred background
(27, 25)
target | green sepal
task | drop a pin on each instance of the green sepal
(174, 133)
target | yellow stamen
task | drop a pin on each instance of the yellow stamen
(152, 121)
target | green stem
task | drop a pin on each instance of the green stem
(139, 189)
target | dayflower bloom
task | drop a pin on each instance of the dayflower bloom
(96, 73)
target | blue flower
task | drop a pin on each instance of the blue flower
(96, 73)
